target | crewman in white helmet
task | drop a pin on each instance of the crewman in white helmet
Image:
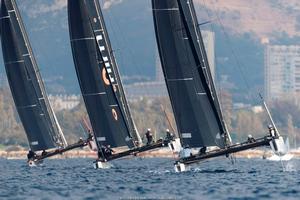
(149, 136)
(169, 135)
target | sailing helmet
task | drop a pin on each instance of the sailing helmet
(270, 126)
(149, 129)
(167, 130)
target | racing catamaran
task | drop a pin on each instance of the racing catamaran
(101, 84)
(191, 88)
(39, 121)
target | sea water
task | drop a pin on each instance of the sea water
(150, 178)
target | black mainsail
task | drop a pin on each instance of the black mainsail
(190, 85)
(98, 76)
(38, 119)
(192, 92)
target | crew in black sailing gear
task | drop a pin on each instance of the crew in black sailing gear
(44, 153)
(149, 136)
(203, 150)
(106, 150)
(31, 155)
(251, 139)
(169, 135)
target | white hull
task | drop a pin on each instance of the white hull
(181, 167)
(175, 145)
(102, 165)
(279, 147)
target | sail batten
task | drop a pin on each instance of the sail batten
(25, 82)
(187, 74)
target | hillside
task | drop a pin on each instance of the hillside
(238, 47)
(268, 18)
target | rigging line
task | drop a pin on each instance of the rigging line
(124, 45)
(211, 82)
(238, 63)
(212, 28)
(117, 31)
(215, 79)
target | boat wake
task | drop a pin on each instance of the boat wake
(291, 166)
(286, 157)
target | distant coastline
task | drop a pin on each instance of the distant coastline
(163, 153)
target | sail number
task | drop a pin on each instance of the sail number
(106, 61)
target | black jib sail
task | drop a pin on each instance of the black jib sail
(98, 76)
(187, 74)
(28, 91)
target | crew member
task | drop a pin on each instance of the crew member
(106, 150)
(169, 135)
(149, 136)
(203, 150)
(90, 134)
(271, 131)
(44, 153)
(250, 139)
(31, 155)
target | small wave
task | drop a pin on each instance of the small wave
(160, 172)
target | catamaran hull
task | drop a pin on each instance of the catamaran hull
(175, 145)
(184, 161)
(278, 146)
(102, 165)
(181, 167)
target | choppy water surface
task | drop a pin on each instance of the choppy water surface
(149, 179)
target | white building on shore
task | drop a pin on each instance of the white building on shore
(282, 71)
(64, 102)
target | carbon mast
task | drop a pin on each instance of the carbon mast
(28, 90)
(190, 85)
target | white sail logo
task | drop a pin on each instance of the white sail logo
(105, 59)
